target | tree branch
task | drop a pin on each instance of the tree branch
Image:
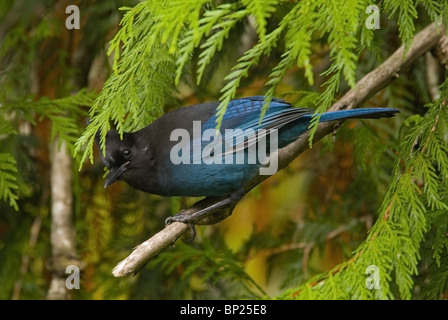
(368, 86)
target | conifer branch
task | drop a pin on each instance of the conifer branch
(368, 86)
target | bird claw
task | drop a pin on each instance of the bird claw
(184, 218)
(179, 217)
(192, 233)
(204, 213)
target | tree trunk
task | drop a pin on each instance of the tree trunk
(62, 231)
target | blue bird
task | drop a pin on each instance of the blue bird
(182, 153)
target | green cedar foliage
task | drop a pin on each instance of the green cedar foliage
(18, 50)
(162, 45)
(416, 201)
(29, 46)
(157, 40)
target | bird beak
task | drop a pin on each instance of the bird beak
(115, 174)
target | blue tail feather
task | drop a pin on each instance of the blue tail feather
(294, 129)
(366, 113)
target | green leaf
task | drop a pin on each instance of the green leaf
(8, 180)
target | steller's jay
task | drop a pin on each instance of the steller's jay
(182, 153)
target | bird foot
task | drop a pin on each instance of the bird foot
(203, 214)
(184, 218)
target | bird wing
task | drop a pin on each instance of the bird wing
(242, 111)
(244, 114)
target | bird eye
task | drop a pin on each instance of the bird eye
(127, 153)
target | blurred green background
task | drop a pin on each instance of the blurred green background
(299, 223)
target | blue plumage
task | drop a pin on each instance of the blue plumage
(181, 154)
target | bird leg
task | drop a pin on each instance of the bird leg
(208, 214)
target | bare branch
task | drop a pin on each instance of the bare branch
(150, 248)
(368, 86)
